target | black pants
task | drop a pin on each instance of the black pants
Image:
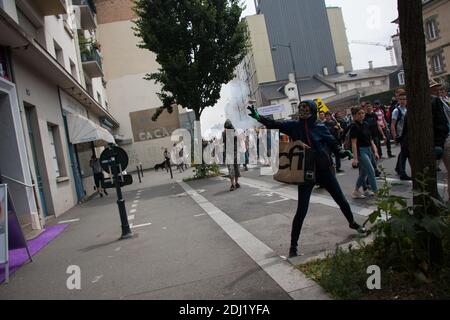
(328, 180)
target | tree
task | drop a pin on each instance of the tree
(420, 123)
(198, 44)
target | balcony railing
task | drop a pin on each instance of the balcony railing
(88, 3)
(92, 63)
(85, 12)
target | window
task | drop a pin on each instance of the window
(73, 69)
(56, 151)
(358, 85)
(431, 29)
(55, 164)
(437, 63)
(99, 98)
(344, 87)
(59, 53)
(371, 83)
(401, 78)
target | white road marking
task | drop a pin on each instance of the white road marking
(164, 228)
(133, 210)
(117, 249)
(97, 278)
(134, 205)
(282, 200)
(69, 221)
(199, 215)
(140, 225)
(131, 217)
(136, 201)
(288, 278)
(291, 193)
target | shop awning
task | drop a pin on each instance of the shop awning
(83, 130)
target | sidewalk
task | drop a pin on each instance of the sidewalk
(178, 253)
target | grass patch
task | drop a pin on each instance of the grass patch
(343, 275)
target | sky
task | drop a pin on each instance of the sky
(365, 20)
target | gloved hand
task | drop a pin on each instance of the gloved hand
(346, 154)
(254, 113)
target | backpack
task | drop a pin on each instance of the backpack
(348, 140)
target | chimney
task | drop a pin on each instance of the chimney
(340, 69)
(292, 77)
(370, 65)
(325, 71)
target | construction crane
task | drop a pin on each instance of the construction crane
(388, 47)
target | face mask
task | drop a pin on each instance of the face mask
(304, 112)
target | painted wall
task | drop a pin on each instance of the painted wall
(13, 156)
(339, 36)
(125, 67)
(35, 90)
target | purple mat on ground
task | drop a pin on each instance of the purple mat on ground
(19, 257)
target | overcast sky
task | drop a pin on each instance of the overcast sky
(366, 20)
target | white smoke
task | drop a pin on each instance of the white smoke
(233, 106)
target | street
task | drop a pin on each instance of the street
(193, 240)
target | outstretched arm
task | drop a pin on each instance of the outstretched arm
(285, 126)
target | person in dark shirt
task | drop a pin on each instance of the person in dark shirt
(365, 153)
(335, 131)
(317, 136)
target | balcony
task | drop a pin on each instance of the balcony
(85, 11)
(50, 7)
(92, 63)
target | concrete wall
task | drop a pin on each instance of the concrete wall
(13, 156)
(32, 89)
(9, 6)
(339, 36)
(125, 67)
(366, 83)
(262, 53)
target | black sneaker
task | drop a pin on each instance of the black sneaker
(340, 171)
(293, 252)
(405, 178)
(238, 185)
(392, 155)
(357, 227)
(106, 193)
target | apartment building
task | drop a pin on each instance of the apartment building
(436, 15)
(133, 100)
(53, 105)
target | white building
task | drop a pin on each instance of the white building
(48, 88)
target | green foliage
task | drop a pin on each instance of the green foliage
(198, 44)
(404, 232)
(206, 170)
(342, 274)
(401, 248)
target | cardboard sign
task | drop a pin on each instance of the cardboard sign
(296, 164)
(271, 110)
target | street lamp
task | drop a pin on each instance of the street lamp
(289, 46)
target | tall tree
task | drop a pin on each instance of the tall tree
(420, 123)
(198, 44)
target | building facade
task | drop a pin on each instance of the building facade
(339, 37)
(51, 91)
(303, 24)
(133, 100)
(436, 15)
